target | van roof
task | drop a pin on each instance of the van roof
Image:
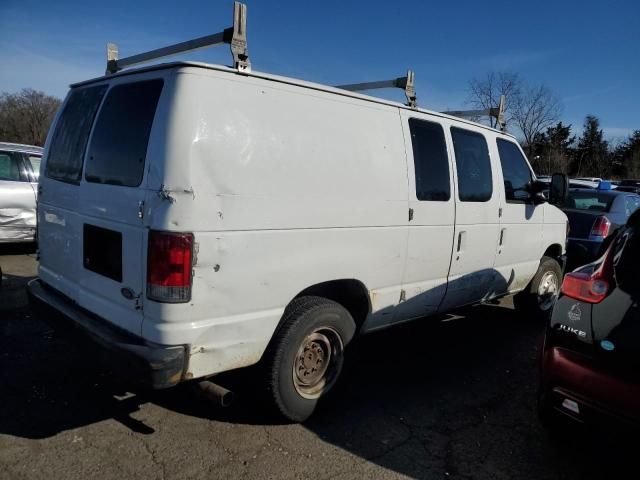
(287, 80)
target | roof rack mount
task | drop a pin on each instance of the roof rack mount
(496, 113)
(235, 36)
(405, 83)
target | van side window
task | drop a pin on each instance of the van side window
(472, 165)
(69, 140)
(119, 143)
(515, 171)
(430, 160)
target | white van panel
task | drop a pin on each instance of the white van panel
(278, 200)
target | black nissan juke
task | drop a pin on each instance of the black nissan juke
(590, 360)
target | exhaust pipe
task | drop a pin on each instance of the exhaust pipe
(215, 392)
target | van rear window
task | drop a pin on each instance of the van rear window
(119, 143)
(69, 140)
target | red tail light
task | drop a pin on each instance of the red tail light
(591, 287)
(601, 227)
(169, 258)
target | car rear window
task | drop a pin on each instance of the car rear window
(69, 140)
(590, 200)
(119, 143)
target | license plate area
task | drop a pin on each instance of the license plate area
(102, 251)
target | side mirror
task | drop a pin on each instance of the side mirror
(559, 189)
(536, 192)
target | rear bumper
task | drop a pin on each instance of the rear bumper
(134, 359)
(599, 394)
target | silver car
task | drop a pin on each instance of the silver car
(19, 170)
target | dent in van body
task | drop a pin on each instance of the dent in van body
(268, 205)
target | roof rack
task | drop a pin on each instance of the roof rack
(405, 83)
(496, 113)
(236, 36)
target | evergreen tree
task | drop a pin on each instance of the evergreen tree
(553, 149)
(628, 156)
(592, 154)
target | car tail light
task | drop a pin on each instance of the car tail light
(169, 259)
(591, 287)
(601, 227)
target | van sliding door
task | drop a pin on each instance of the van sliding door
(430, 219)
(472, 277)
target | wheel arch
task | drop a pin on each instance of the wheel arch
(553, 251)
(352, 294)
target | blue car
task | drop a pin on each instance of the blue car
(593, 215)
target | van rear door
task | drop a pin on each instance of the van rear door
(91, 224)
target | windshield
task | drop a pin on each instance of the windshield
(589, 200)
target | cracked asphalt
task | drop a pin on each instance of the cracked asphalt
(447, 398)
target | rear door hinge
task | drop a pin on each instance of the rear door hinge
(141, 209)
(138, 302)
(410, 214)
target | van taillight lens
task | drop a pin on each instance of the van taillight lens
(169, 258)
(591, 287)
(601, 227)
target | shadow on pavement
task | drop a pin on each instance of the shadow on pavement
(430, 398)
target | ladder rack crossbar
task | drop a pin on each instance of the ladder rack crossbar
(400, 82)
(495, 112)
(235, 36)
(405, 83)
(188, 46)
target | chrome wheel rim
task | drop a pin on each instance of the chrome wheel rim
(548, 290)
(318, 363)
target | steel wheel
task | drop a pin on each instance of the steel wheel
(548, 290)
(318, 363)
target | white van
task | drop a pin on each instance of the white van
(195, 220)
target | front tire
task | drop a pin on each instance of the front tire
(538, 299)
(305, 357)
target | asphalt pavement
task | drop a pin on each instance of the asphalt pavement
(439, 398)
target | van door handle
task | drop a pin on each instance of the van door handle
(503, 234)
(462, 235)
(461, 239)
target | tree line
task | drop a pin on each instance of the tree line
(25, 117)
(534, 111)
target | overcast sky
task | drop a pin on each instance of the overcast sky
(587, 52)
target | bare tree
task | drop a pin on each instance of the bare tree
(531, 108)
(25, 117)
(534, 109)
(485, 93)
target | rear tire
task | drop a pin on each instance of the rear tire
(538, 299)
(305, 357)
